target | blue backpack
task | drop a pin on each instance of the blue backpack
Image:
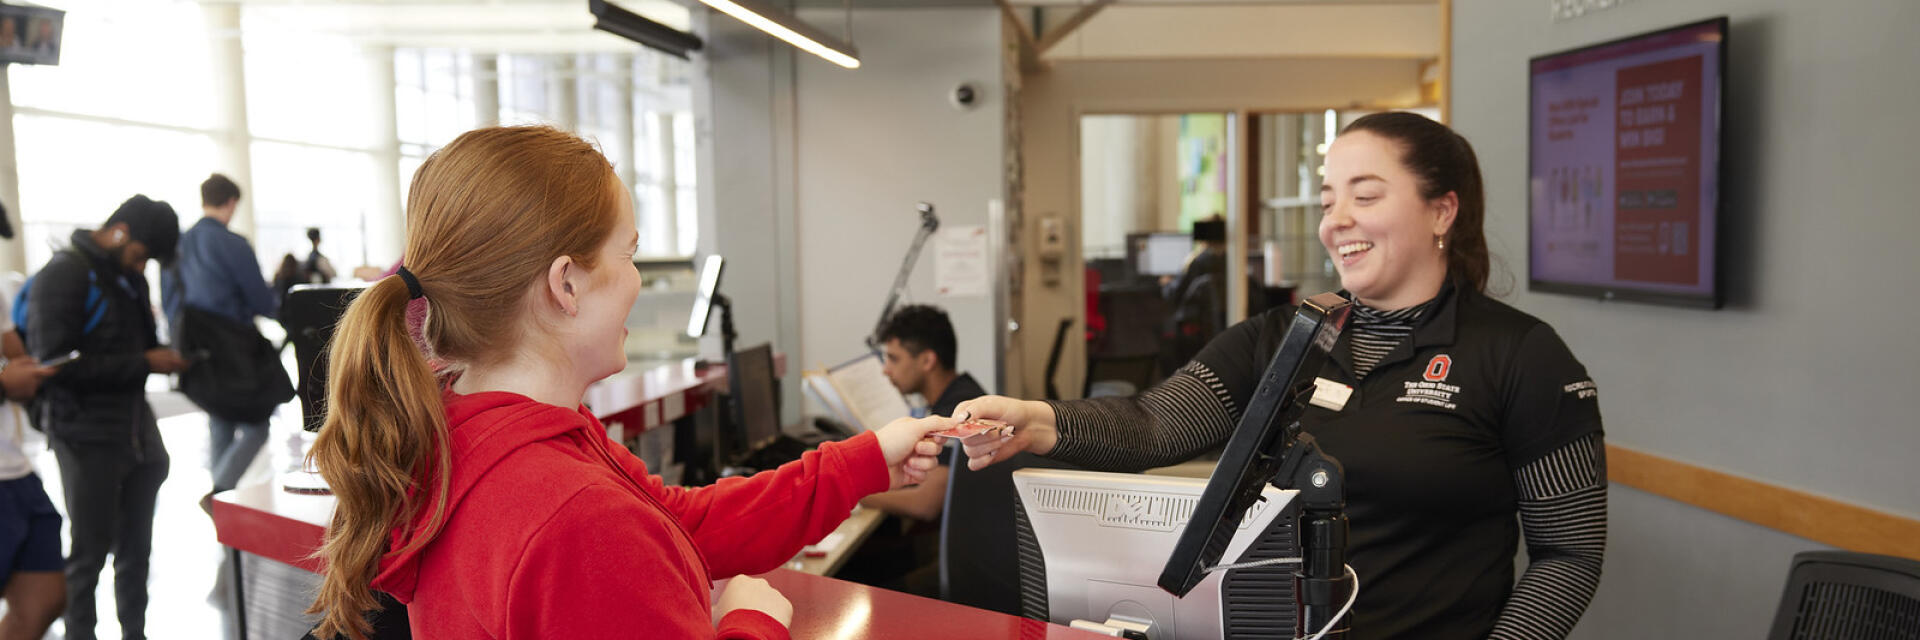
(96, 305)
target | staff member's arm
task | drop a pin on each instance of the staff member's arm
(1552, 407)
(1186, 414)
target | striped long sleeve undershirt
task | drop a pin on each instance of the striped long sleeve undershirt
(1563, 499)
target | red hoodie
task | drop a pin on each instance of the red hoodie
(554, 532)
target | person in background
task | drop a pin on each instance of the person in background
(1198, 296)
(288, 274)
(92, 298)
(483, 495)
(31, 581)
(218, 274)
(918, 345)
(319, 270)
(1470, 422)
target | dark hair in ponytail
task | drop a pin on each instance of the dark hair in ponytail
(1444, 162)
(486, 216)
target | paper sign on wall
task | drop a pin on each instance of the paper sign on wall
(960, 261)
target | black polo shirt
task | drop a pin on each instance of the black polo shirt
(962, 389)
(1430, 441)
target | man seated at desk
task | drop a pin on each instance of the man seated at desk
(919, 344)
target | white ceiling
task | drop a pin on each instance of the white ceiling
(505, 26)
(1207, 28)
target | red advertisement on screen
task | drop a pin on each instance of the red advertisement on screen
(1656, 234)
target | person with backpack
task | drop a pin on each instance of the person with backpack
(91, 298)
(213, 293)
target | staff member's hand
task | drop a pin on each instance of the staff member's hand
(1032, 422)
(908, 449)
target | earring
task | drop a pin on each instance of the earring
(1440, 243)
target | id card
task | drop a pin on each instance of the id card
(1330, 395)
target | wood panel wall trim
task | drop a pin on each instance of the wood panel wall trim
(1817, 518)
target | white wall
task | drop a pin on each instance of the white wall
(872, 142)
(1804, 379)
(1121, 181)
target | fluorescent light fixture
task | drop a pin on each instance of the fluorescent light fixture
(785, 26)
(638, 28)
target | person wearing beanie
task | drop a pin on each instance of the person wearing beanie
(91, 298)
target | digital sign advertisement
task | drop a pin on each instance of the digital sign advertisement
(1625, 167)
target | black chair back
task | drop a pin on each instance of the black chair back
(1847, 595)
(309, 315)
(1053, 356)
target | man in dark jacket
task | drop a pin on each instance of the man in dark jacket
(92, 298)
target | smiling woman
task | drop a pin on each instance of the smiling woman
(1403, 210)
(1461, 413)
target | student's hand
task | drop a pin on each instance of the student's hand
(165, 360)
(1032, 422)
(23, 376)
(909, 451)
(748, 592)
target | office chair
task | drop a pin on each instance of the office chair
(309, 314)
(1053, 356)
(1852, 596)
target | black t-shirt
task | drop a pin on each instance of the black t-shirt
(962, 389)
(978, 564)
(1430, 441)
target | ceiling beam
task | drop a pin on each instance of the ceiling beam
(1029, 50)
(1057, 34)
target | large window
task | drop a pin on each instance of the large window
(312, 107)
(105, 125)
(75, 172)
(134, 107)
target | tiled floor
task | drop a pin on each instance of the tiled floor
(186, 602)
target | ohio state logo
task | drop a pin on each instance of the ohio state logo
(1437, 368)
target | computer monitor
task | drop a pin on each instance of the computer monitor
(703, 297)
(1163, 254)
(755, 408)
(1090, 545)
(1260, 443)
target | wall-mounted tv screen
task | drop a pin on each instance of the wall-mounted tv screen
(1624, 167)
(30, 35)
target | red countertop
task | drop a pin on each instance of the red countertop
(266, 521)
(830, 609)
(642, 400)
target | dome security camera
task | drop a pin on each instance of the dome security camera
(965, 97)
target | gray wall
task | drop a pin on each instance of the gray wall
(874, 141)
(1804, 379)
(743, 108)
(786, 138)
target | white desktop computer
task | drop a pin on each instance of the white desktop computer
(1092, 547)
